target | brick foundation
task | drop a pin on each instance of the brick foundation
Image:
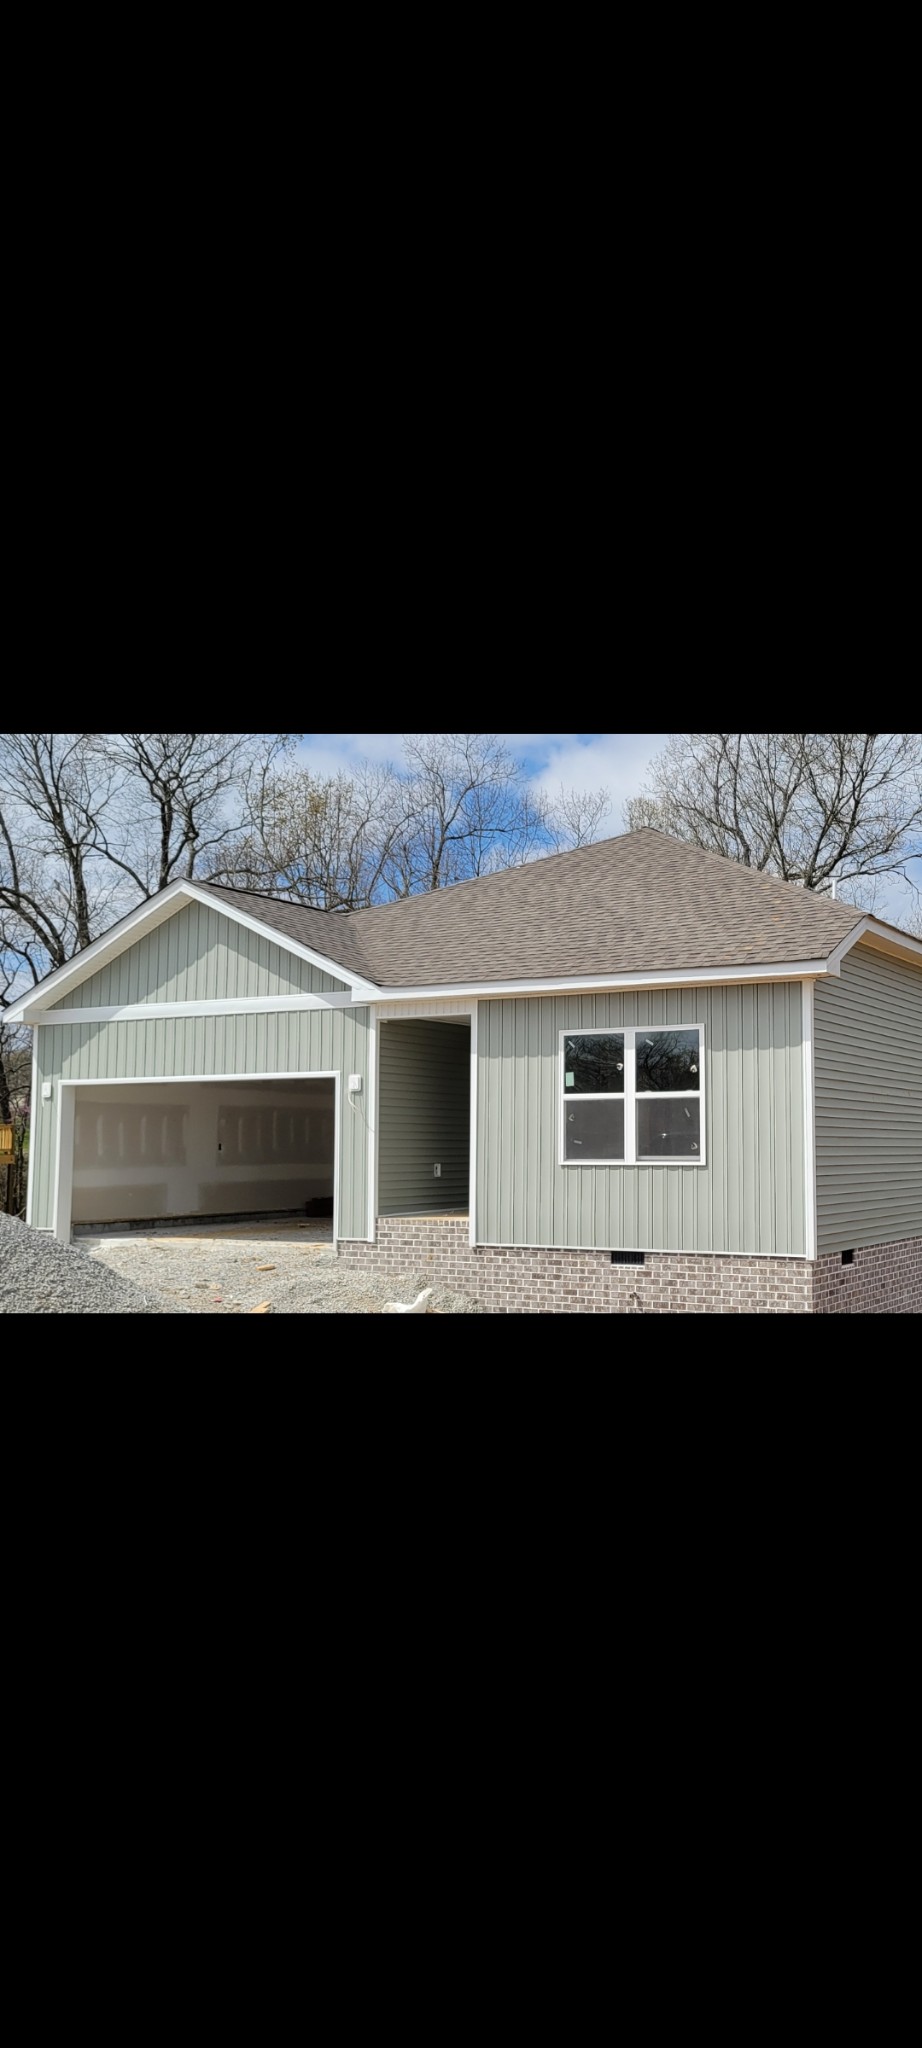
(886, 1279)
(435, 1249)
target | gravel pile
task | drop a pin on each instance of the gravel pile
(235, 1275)
(39, 1277)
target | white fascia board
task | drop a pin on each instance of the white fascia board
(145, 919)
(845, 945)
(357, 982)
(595, 984)
(888, 936)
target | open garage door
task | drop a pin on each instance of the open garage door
(149, 1154)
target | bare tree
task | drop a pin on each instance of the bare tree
(455, 806)
(53, 794)
(6, 1051)
(319, 840)
(91, 822)
(179, 799)
(574, 817)
(469, 811)
(815, 808)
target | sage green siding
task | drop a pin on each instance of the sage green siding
(868, 1038)
(748, 1197)
(198, 955)
(283, 1042)
(425, 1113)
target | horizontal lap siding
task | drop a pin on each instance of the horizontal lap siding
(868, 1036)
(749, 1197)
(198, 955)
(190, 1047)
(425, 1111)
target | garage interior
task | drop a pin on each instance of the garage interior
(209, 1148)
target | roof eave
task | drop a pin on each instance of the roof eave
(590, 984)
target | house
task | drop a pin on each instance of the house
(635, 1077)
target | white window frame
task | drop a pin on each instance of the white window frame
(630, 1033)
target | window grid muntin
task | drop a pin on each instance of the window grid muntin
(630, 1098)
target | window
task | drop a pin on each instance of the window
(632, 1097)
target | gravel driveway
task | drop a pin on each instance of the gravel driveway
(234, 1270)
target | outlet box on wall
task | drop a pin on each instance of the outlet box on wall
(437, 1172)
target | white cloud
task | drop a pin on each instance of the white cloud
(617, 760)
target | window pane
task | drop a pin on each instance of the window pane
(667, 1059)
(594, 1065)
(668, 1130)
(594, 1130)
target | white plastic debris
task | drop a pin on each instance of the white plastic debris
(408, 1308)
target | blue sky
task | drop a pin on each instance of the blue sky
(583, 760)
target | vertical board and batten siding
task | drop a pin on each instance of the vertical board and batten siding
(199, 955)
(868, 1040)
(748, 1197)
(195, 956)
(424, 1084)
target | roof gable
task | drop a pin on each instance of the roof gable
(58, 989)
(198, 953)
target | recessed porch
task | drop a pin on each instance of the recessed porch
(424, 1143)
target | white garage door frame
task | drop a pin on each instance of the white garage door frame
(67, 1104)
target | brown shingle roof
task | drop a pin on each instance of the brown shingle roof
(642, 903)
(333, 933)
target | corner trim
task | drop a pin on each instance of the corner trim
(809, 1123)
(475, 1078)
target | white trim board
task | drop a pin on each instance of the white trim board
(631, 1098)
(33, 1118)
(372, 1097)
(229, 1006)
(603, 984)
(63, 1198)
(884, 936)
(809, 1121)
(659, 1251)
(475, 1082)
(453, 1013)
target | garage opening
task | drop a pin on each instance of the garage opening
(204, 1149)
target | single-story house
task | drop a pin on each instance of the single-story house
(636, 1076)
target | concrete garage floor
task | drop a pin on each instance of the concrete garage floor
(282, 1230)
